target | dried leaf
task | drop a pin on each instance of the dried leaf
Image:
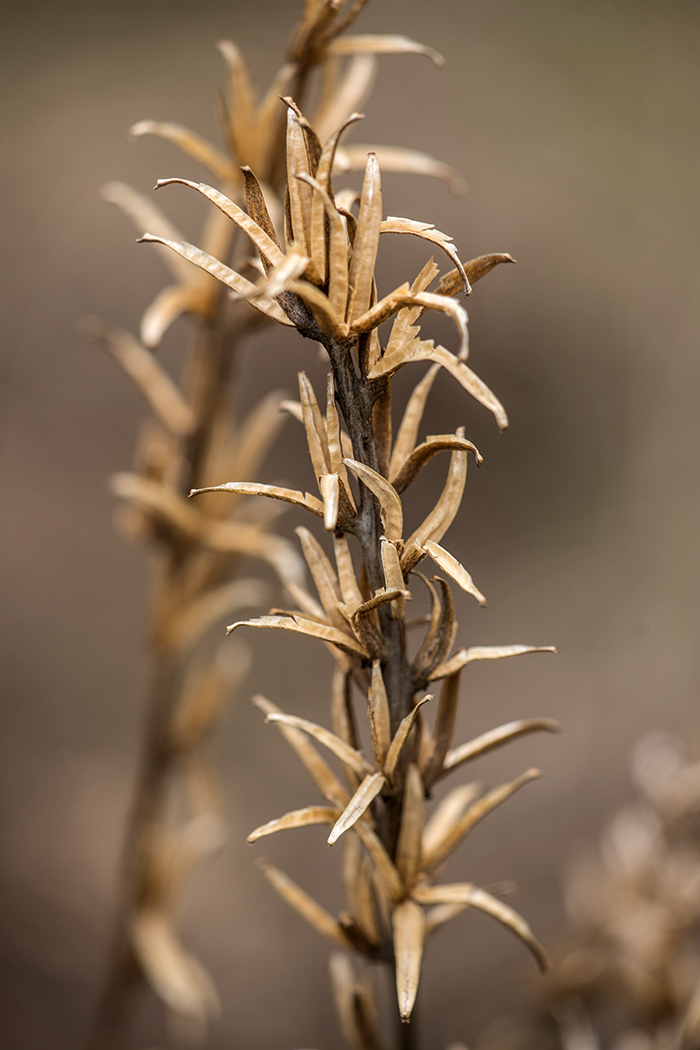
(383, 864)
(297, 818)
(403, 161)
(193, 619)
(436, 917)
(438, 642)
(349, 588)
(347, 755)
(408, 847)
(324, 576)
(279, 279)
(480, 745)
(252, 488)
(427, 231)
(224, 274)
(321, 774)
(476, 813)
(171, 303)
(268, 248)
(329, 485)
(145, 215)
(348, 96)
(299, 192)
(334, 441)
(393, 576)
(408, 430)
(300, 625)
(486, 652)
(466, 893)
(382, 45)
(379, 717)
(443, 514)
(446, 815)
(358, 804)
(258, 211)
(192, 144)
(176, 977)
(147, 373)
(444, 730)
(411, 467)
(449, 564)
(389, 502)
(364, 252)
(241, 95)
(400, 737)
(314, 426)
(425, 350)
(408, 922)
(451, 283)
(309, 909)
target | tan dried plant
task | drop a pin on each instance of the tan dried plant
(191, 442)
(319, 275)
(629, 972)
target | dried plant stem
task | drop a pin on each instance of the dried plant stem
(206, 382)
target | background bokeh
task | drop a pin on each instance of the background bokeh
(575, 123)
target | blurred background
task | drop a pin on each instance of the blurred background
(575, 123)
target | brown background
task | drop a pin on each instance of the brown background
(575, 123)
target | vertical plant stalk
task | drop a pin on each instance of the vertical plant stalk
(197, 548)
(325, 283)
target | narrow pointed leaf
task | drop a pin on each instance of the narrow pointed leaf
(321, 774)
(348, 755)
(241, 100)
(451, 283)
(426, 230)
(314, 426)
(408, 847)
(383, 864)
(224, 274)
(323, 575)
(379, 718)
(349, 588)
(298, 818)
(347, 97)
(330, 490)
(425, 350)
(401, 160)
(408, 922)
(191, 143)
(449, 564)
(411, 467)
(300, 625)
(400, 737)
(309, 909)
(358, 804)
(466, 893)
(170, 304)
(364, 250)
(389, 502)
(393, 576)
(258, 211)
(480, 745)
(444, 729)
(265, 244)
(147, 373)
(334, 440)
(486, 652)
(299, 192)
(252, 488)
(476, 813)
(447, 814)
(408, 430)
(443, 514)
(145, 215)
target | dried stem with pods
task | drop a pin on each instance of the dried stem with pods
(319, 277)
(190, 443)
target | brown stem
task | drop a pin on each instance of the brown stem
(206, 384)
